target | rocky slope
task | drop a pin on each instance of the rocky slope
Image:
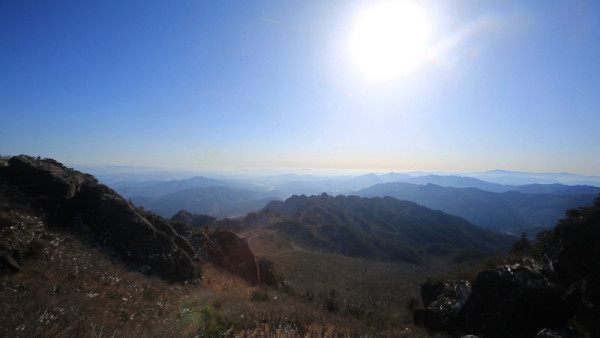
(553, 285)
(39, 193)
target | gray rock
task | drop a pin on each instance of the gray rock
(546, 333)
(443, 303)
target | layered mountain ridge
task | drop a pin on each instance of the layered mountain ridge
(504, 208)
(377, 228)
(508, 211)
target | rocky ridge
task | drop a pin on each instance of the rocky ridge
(40, 193)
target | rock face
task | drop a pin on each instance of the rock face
(516, 299)
(45, 178)
(573, 247)
(519, 297)
(73, 201)
(443, 303)
(230, 251)
(76, 201)
(556, 286)
(225, 249)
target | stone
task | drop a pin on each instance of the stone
(512, 298)
(443, 303)
(546, 333)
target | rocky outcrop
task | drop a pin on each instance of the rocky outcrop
(225, 249)
(197, 220)
(142, 240)
(232, 252)
(77, 202)
(45, 178)
(573, 247)
(443, 303)
(555, 287)
(514, 298)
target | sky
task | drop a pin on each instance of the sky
(348, 85)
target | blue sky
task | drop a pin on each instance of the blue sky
(273, 84)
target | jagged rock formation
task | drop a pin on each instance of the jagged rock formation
(68, 199)
(72, 200)
(556, 285)
(197, 221)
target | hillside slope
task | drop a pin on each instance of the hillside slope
(376, 228)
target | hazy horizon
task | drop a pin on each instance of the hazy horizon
(357, 85)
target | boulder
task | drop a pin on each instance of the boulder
(443, 303)
(513, 298)
(546, 333)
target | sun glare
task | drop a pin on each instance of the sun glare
(390, 39)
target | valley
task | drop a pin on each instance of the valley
(80, 260)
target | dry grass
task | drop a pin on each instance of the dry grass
(72, 290)
(65, 287)
(370, 297)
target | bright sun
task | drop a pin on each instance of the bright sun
(390, 39)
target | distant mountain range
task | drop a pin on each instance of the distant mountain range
(524, 178)
(508, 211)
(291, 184)
(214, 200)
(374, 228)
(495, 206)
(155, 189)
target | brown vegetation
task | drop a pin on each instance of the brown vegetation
(70, 273)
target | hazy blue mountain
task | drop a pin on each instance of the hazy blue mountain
(359, 182)
(130, 174)
(154, 189)
(459, 182)
(557, 189)
(524, 178)
(215, 201)
(330, 185)
(394, 177)
(509, 211)
(310, 188)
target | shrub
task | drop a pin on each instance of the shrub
(331, 304)
(521, 246)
